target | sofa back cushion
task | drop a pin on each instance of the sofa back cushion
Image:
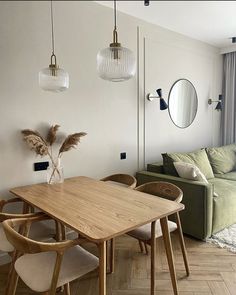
(222, 159)
(198, 158)
(168, 165)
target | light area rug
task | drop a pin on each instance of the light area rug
(225, 238)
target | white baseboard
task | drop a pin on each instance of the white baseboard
(4, 258)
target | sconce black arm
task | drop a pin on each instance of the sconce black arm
(163, 104)
(219, 102)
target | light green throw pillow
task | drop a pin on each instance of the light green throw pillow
(198, 158)
(222, 159)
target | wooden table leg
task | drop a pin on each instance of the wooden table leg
(169, 253)
(102, 268)
(153, 256)
(182, 244)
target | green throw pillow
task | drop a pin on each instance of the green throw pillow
(168, 165)
(222, 159)
(198, 158)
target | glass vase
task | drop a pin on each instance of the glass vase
(55, 172)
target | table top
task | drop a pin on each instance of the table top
(96, 209)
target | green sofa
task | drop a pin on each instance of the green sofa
(209, 206)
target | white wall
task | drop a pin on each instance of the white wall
(111, 113)
(168, 58)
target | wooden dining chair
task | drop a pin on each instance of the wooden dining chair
(143, 234)
(41, 231)
(127, 181)
(44, 267)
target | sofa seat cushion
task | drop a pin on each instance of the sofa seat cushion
(222, 159)
(198, 158)
(224, 204)
(230, 176)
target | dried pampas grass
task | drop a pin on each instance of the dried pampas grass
(71, 142)
(27, 132)
(52, 134)
(36, 144)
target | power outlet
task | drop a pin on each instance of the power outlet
(39, 166)
(123, 156)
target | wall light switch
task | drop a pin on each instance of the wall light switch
(41, 166)
(123, 156)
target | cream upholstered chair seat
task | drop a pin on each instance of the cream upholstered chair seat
(40, 231)
(36, 270)
(144, 232)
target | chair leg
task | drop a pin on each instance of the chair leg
(182, 244)
(140, 246)
(67, 289)
(13, 277)
(146, 248)
(112, 255)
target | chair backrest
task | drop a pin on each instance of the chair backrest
(25, 245)
(126, 179)
(6, 215)
(162, 189)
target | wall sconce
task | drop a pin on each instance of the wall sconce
(219, 102)
(163, 104)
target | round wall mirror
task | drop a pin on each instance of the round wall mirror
(182, 103)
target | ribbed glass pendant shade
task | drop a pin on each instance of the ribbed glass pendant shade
(55, 80)
(116, 64)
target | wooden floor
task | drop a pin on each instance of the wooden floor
(213, 271)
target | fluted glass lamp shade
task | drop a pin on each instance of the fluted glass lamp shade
(116, 64)
(53, 79)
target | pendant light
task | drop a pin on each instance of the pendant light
(116, 63)
(53, 78)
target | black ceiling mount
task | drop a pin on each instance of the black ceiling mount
(146, 2)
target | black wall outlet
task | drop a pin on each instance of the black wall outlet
(41, 166)
(122, 156)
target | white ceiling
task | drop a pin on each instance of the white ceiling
(212, 22)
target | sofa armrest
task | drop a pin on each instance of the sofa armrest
(197, 217)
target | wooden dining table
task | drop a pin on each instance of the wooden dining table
(101, 211)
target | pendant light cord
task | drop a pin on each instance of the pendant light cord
(52, 25)
(115, 17)
(115, 35)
